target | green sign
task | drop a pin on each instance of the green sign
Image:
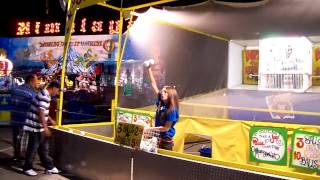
(126, 116)
(268, 145)
(127, 90)
(305, 150)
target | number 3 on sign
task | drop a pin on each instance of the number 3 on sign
(300, 143)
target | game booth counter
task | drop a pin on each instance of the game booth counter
(272, 131)
(228, 129)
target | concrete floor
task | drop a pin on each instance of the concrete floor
(11, 171)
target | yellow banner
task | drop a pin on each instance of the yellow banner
(316, 66)
(250, 59)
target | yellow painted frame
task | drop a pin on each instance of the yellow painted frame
(72, 10)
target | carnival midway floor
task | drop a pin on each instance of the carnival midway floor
(11, 171)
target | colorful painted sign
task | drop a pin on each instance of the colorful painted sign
(129, 134)
(305, 150)
(125, 116)
(88, 47)
(316, 66)
(45, 53)
(142, 119)
(250, 66)
(268, 145)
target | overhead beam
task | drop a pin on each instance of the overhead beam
(147, 5)
(109, 6)
(85, 3)
(182, 27)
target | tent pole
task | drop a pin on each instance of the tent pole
(69, 27)
(118, 65)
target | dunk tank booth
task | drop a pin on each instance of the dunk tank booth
(234, 141)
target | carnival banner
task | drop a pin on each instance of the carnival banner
(316, 66)
(268, 145)
(45, 53)
(250, 66)
(305, 150)
(83, 52)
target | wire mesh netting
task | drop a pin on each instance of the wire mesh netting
(150, 140)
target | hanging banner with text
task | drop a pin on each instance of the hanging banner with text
(285, 63)
(45, 53)
(126, 116)
(305, 150)
(268, 145)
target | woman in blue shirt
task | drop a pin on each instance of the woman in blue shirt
(167, 113)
